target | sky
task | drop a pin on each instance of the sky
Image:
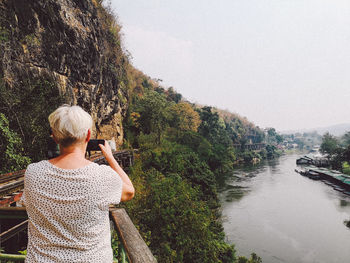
(280, 63)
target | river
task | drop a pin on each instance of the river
(284, 217)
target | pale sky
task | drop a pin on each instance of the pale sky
(280, 63)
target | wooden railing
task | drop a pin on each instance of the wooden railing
(135, 247)
(132, 247)
(250, 146)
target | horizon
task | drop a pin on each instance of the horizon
(336, 130)
(278, 64)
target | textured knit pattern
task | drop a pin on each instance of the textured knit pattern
(68, 212)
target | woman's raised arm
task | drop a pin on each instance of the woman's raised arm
(128, 190)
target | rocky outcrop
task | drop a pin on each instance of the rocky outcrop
(73, 44)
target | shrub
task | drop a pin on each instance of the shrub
(11, 155)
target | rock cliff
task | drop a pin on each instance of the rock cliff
(73, 47)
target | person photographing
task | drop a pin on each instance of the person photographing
(67, 198)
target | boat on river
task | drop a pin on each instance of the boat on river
(336, 179)
(316, 159)
(310, 174)
(305, 160)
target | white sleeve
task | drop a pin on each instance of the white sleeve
(112, 186)
(22, 201)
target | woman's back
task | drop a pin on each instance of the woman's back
(68, 212)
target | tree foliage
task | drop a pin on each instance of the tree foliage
(184, 117)
(273, 136)
(172, 95)
(254, 258)
(329, 144)
(27, 110)
(153, 112)
(176, 210)
(180, 222)
(338, 151)
(183, 151)
(12, 153)
(346, 139)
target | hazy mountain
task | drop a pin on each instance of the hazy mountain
(337, 130)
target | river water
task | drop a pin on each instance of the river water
(284, 217)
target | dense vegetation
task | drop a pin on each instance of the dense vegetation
(182, 150)
(302, 141)
(23, 123)
(337, 150)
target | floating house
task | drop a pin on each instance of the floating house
(305, 160)
(336, 179)
(318, 160)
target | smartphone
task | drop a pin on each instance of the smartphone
(93, 145)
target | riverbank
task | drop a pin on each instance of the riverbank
(256, 157)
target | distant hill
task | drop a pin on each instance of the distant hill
(337, 130)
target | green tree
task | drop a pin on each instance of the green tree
(11, 154)
(254, 258)
(154, 113)
(279, 138)
(270, 151)
(346, 168)
(179, 223)
(260, 136)
(196, 143)
(27, 109)
(173, 95)
(346, 154)
(271, 132)
(346, 139)
(273, 137)
(174, 158)
(210, 125)
(329, 144)
(214, 130)
(184, 117)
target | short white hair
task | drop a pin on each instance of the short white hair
(70, 124)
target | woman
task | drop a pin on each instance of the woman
(67, 198)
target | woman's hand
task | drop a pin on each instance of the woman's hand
(106, 151)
